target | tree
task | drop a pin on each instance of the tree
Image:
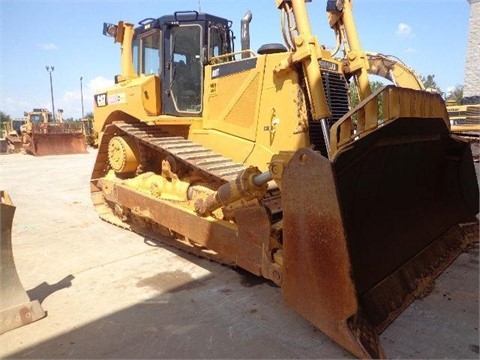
(354, 99)
(456, 94)
(4, 119)
(374, 85)
(430, 83)
(89, 115)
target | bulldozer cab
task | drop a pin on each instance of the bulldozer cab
(176, 48)
(39, 116)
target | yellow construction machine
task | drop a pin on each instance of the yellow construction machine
(90, 135)
(393, 69)
(464, 117)
(256, 160)
(13, 134)
(43, 135)
(465, 122)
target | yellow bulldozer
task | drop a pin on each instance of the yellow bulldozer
(257, 160)
(13, 135)
(41, 134)
(90, 135)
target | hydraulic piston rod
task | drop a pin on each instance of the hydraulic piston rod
(249, 184)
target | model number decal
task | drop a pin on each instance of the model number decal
(327, 65)
(116, 99)
(101, 99)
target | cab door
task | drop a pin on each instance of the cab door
(183, 71)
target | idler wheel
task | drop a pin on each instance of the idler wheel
(123, 154)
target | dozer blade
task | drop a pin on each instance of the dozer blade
(16, 309)
(57, 144)
(368, 232)
(14, 144)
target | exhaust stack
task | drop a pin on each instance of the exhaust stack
(245, 31)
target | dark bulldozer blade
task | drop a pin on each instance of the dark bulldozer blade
(367, 232)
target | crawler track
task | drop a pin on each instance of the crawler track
(188, 155)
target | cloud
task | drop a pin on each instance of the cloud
(71, 96)
(404, 31)
(410, 50)
(99, 84)
(71, 101)
(450, 89)
(14, 107)
(47, 46)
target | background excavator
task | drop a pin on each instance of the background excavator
(257, 160)
(394, 70)
(41, 134)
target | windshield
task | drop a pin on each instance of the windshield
(39, 118)
(36, 118)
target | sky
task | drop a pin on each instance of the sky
(430, 36)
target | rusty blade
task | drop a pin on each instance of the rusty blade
(16, 309)
(318, 279)
(58, 144)
(368, 232)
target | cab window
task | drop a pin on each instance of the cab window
(146, 53)
(218, 42)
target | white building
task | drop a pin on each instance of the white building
(472, 66)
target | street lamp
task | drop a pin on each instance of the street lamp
(81, 94)
(50, 70)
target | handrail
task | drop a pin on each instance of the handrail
(219, 59)
(397, 103)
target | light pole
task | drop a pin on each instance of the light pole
(50, 70)
(81, 94)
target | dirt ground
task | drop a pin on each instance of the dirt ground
(110, 293)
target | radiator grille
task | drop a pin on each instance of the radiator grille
(336, 93)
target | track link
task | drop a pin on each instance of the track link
(185, 151)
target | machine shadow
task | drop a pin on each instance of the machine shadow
(226, 314)
(42, 291)
(230, 313)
